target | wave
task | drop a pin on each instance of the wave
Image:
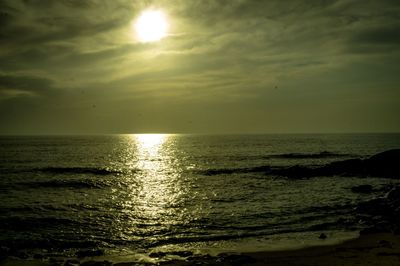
(15, 244)
(257, 169)
(78, 184)
(78, 170)
(42, 208)
(27, 223)
(207, 238)
(329, 208)
(383, 164)
(242, 233)
(319, 155)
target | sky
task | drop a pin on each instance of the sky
(225, 66)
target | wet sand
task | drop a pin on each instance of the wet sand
(373, 249)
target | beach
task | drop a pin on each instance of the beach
(372, 249)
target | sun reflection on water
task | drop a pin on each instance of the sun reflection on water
(159, 179)
(150, 142)
(152, 152)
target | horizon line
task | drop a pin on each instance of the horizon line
(183, 133)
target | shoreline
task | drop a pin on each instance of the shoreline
(369, 249)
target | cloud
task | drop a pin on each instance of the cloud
(18, 85)
(245, 57)
(385, 35)
(76, 25)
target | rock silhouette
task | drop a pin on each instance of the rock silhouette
(381, 214)
(362, 189)
(385, 164)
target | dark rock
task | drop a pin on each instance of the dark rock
(257, 169)
(56, 261)
(384, 188)
(159, 254)
(397, 254)
(381, 214)
(263, 168)
(128, 264)
(369, 231)
(352, 167)
(297, 171)
(235, 259)
(96, 263)
(20, 254)
(362, 189)
(182, 253)
(72, 262)
(381, 227)
(396, 230)
(322, 236)
(374, 207)
(89, 253)
(385, 244)
(385, 164)
(322, 154)
(38, 256)
(393, 194)
(185, 254)
(200, 257)
(4, 252)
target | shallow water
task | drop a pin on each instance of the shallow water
(137, 193)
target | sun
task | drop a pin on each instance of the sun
(151, 26)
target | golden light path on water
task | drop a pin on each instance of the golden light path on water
(160, 192)
(155, 197)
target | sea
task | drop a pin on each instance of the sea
(136, 195)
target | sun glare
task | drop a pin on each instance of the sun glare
(151, 141)
(151, 26)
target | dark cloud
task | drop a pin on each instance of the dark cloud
(389, 35)
(13, 85)
(383, 40)
(34, 23)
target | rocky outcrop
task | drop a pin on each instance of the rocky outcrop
(89, 253)
(362, 189)
(381, 214)
(385, 164)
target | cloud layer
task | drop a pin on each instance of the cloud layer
(237, 66)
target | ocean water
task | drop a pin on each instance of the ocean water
(136, 194)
